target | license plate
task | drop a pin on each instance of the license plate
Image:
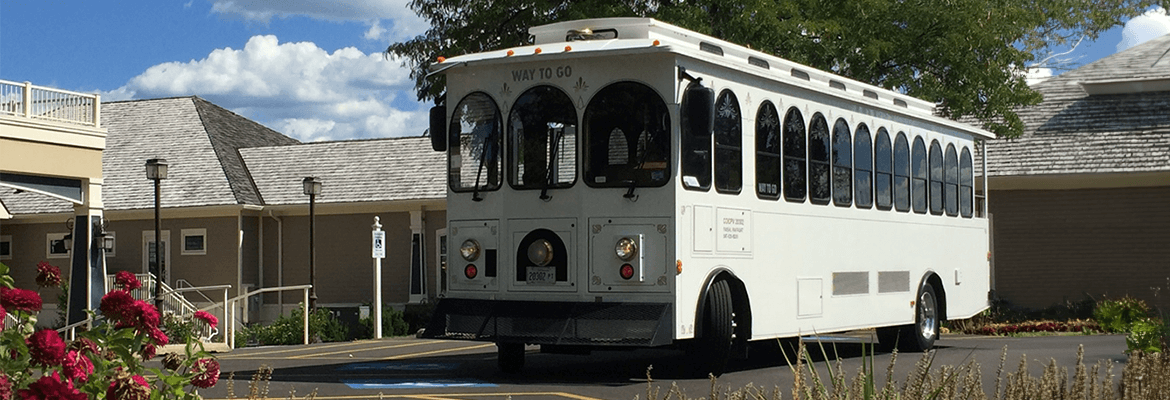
(542, 275)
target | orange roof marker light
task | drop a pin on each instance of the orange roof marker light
(568, 48)
(656, 42)
(441, 59)
(510, 53)
(537, 50)
(678, 266)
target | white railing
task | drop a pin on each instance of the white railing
(231, 333)
(207, 332)
(9, 322)
(39, 102)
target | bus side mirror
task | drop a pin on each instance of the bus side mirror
(698, 113)
(439, 128)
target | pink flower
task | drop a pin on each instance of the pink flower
(127, 281)
(5, 387)
(46, 348)
(20, 300)
(115, 303)
(48, 275)
(77, 367)
(206, 373)
(129, 388)
(50, 387)
(207, 318)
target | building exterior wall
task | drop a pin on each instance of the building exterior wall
(1052, 246)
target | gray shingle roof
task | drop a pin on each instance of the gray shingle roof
(1072, 132)
(351, 171)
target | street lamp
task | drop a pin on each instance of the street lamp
(156, 170)
(312, 187)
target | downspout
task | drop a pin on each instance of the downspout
(279, 259)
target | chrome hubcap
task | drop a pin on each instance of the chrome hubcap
(927, 315)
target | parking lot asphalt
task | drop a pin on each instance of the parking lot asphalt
(409, 368)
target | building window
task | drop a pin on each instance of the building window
(936, 178)
(55, 246)
(951, 180)
(901, 173)
(842, 164)
(819, 171)
(794, 156)
(194, 242)
(966, 183)
(918, 167)
(768, 152)
(862, 167)
(883, 171)
(6, 247)
(728, 144)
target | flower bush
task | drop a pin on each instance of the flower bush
(105, 362)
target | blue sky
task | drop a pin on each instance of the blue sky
(310, 69)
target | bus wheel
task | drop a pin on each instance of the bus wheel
(921, 336)
(510, 357)
(718, 330)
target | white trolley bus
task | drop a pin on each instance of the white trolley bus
(627, 183)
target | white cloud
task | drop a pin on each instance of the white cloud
(298, 89)
(1154, 23)
(1036, 75)
(406, 24)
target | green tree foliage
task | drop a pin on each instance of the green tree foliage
(967, 56)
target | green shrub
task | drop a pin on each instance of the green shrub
(393, 324)
(1147, 335)
(323, 326)
(1119, 315)
(179, 330)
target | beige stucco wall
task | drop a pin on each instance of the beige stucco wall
(49, 159)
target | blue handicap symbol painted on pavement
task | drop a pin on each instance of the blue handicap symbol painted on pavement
(399, 366)
(414, 383)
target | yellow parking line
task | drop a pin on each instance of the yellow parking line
(425, 353)
(393, 346)
(451, 396)
(299, 348)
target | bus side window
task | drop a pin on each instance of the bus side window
(862, 167)
(697, 118)
(966, 183)
(819, 172)
(918, 165)
(842, 164)
(936, 178)
(728, 144)
(767, 152)
(794, 156)
(951, 180)
(901, 173)
(883, 171)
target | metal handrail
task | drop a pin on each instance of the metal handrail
(208, 332)
(231, 335)
(70, 330)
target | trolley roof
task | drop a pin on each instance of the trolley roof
(615, 36)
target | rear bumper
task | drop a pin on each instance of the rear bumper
(554, 323)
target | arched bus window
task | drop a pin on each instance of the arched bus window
(936, 178)
(475, 163)
(951, 181)
(627, 137)
(883, 171)
(695, 160)
(819, 171)
(918, 171)
(794, 156)
(862, 167)
(767, 152)
(842, 164)
(901, 173)
(542, 136)
(966, 184)
(728, 144)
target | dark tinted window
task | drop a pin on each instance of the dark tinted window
(901, 173)
(542, 134)
(695, 160)
(627, 137)
(966, 183)
(794, 156)
(918, 171)
(842, 164)
(862, 167)
(936, 178)
(819, 171)
(475, 163)
(951, 181)
(728, 144)
(767, 152)
(883, 170)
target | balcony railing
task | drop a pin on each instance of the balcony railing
(43, 103)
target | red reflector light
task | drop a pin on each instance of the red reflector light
(470, 271)
(627, 271)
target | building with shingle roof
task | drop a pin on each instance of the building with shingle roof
(1079, 201)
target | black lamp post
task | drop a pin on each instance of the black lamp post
(312, 187)
(156, 170)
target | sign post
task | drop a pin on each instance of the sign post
(379, 252)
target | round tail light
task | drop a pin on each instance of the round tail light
(627, 271)
(470, 271)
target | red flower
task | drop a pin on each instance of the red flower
(127, 281)
(140, 315)
(48, 275)
(128, 388)
(115, 304)
(158, 337)
(5, 387)
(20, 300)
(3, 315)
(46, 348)
(206, 373)
(148, 351)
(77, 367)
(207, 318)
(50, 387)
